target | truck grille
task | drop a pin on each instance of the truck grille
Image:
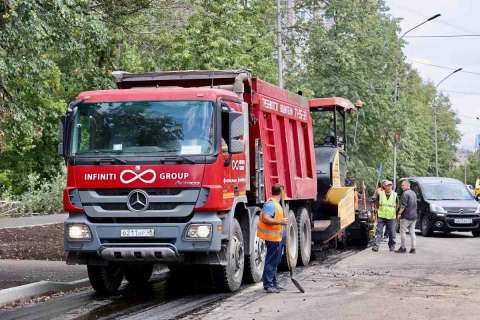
(151, 192)
(151, 206)
(162, 203)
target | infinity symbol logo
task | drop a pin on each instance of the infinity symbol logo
(137, 176)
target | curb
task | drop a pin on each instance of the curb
(31, 290)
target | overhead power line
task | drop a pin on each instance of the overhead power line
(467, 93)
(446, 36)
(444, 67)
(421, 14)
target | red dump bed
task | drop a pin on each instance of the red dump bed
(280, 122)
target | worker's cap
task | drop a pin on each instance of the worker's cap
(387, 183)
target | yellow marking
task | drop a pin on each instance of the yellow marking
(230, 195)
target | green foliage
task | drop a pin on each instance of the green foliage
(228, 34)
(43, 196)
(473, 169)
(50, 50)
(352, 50)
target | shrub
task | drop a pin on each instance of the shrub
(43, 196)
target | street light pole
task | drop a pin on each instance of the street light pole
(418, 25)
(435, 117)
(397, 84)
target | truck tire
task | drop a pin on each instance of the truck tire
(228, 278)
(255, 261)
(292, 242)
(105, 279)
(426, 227)
(476, 233)
(138, 275)
(304, 237)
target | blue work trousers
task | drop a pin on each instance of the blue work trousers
(272, 260)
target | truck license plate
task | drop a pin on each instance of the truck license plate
(140, 233)
(463, 221)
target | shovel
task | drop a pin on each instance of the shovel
(287, 253)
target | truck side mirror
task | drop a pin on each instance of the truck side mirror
(61, 131)
(236, 131)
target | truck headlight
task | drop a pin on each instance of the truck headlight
(78, 231)
(436, 208)
(199, 232)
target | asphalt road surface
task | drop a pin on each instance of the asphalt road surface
(440, 282)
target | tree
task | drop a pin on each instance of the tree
(352, 49)
(228, 34)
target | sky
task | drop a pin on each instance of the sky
(457, 17)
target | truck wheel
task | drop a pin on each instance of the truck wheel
(304, 237)
(138, 275)
(476, 233)
(229, 277)
(105, 279)
(292, 243)
(255, 261)
(426, 227)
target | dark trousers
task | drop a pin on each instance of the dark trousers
(390, 226)
(272, 260)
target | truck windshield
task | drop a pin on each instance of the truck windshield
(178, 127)
(445, 191)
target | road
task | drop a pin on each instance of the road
(18, 272)
(439, 282)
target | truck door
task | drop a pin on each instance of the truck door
(234, 163)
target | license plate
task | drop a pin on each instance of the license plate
(463, 221)
(137, 233)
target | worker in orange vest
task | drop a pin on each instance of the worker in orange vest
(270, 228)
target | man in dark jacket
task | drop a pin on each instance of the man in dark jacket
(408, 217)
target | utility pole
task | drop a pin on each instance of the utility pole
(279, 44)
(396, 141)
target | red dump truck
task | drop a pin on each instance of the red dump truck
(173, 168)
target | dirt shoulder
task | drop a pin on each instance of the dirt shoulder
(32, 243)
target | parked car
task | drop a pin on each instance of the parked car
(445, 204)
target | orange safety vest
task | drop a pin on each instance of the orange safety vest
(271, 232)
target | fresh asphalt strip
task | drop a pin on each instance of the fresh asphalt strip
(27, 291)
(151, 303)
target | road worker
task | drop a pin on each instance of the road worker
(387, 203)
(407, 216)
(271, 229)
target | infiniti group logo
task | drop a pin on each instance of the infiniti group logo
(147, 176)
(137, 200)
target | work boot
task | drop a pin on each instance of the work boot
(413, 251)
(271, 290)
(280, 288)
(392, 248)
(401, 250)
(375, 248)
